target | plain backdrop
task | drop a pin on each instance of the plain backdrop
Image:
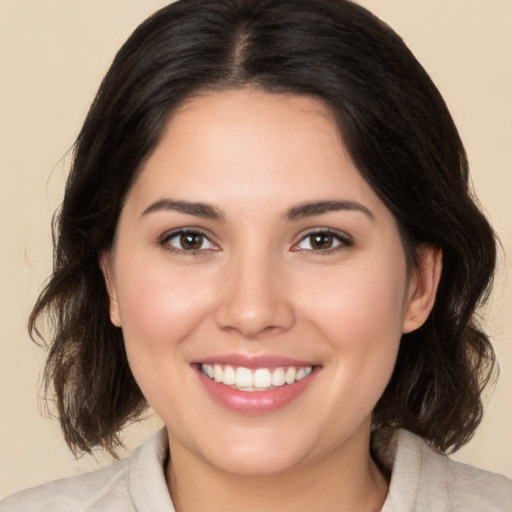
(53, 54)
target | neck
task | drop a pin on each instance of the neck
(343, 480)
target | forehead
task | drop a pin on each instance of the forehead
(253, 148)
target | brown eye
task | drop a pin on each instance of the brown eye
(188, 241)
(191, 241)
(323, 241)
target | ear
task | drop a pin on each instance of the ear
(422, 288)
(106, 268)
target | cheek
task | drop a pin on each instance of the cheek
(159, 311)
(359, 311)
(360, 319)
(363, 298)
(156, 304)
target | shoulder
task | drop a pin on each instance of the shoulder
(95, 490)
(129, 485)
(423, 479)
(477, 488)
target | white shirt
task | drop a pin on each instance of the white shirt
(421, 481)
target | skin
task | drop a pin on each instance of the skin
(257, 286)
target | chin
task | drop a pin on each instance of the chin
(258, 464)
(251, 453)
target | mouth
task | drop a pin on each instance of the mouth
(249, 380)
(257, 387)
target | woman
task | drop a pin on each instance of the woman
(267, 235)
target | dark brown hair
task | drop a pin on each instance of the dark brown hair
(398, 132)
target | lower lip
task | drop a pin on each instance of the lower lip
(255, 402)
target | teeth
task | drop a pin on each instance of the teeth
(243, 378)
(278, 377)
(229, 376)
(290, 375)
(217, 373)
(261, 379)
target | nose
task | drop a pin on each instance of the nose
(255, 299)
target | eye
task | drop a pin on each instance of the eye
(188, 241)
(322, 241)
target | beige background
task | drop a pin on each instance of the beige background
(52, 57)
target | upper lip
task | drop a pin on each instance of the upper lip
(254, 361)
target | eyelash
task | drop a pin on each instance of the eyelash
(165, 239)
(344, 242)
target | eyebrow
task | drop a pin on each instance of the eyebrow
(203, 210)
(298, 212)
(319, 207)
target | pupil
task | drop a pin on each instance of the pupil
(191, 241)
(321, 241)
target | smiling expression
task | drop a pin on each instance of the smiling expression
(260, 283)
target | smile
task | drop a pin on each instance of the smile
(260, 379)
(255, 386)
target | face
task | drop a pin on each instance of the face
(251, 250)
